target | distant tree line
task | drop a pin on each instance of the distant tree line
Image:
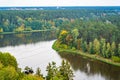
(18, 21)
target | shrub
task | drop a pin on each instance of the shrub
(63, 46)
(116, 59)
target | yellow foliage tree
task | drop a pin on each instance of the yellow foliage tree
(63, 32)
(20, 29)
(63, 35)
(1, 30)
(96, 46)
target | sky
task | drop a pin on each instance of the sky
(6, 3)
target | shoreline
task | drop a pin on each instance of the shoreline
(83, 54)
(26, 31)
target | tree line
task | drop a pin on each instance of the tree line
(95, 36)
(18, 21)
(101, 47)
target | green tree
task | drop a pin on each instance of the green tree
(102, 47)
(66, 71)
(107, 52)
(113, 47)
(8, 60)
(20, 28)
(1, 30)
(90, 49)
(102, 43)
(52, 71)
(63, 72)
(84, 46)
(8, 73)
(69, 40)
(6, 25)
(75, 34)
(119, 49)
(38, 72)
(96, 46)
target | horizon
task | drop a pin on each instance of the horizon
(20, 3)
(60, 6)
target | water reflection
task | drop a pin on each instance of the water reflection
(92, 67)
(25, 38)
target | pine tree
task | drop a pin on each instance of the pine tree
(84, 46)
(90, 49)
(66, 71)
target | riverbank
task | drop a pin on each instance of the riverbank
(26, 31)
(94, 56)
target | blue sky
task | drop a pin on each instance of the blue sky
(59, 3)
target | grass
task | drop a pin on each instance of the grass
(92, 56)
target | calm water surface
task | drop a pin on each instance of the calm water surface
(34, 50)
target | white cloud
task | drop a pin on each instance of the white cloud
(59, 2)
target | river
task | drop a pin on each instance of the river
(35, 50)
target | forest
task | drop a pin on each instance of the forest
(22, 20)
(99, 36)
(91, 31)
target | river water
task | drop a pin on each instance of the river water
(35, 50)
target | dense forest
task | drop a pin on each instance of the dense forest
(98, 35)
(92, 31)
(17, 21)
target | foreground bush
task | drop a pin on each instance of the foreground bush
(9, 70)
